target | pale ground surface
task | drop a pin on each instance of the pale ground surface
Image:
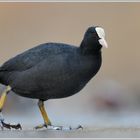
(127, 126)
(108, 132)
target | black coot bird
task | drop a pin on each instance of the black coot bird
(53, 70)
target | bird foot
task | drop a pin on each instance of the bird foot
(8, 125)
(64, 128)
(52, 127)
(40, 126)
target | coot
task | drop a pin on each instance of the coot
(53, 70)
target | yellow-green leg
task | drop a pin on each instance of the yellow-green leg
(2, 101)
(44, 115)
(47, 122)
(3, 97)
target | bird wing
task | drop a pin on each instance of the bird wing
(32, 57)
(22, 61)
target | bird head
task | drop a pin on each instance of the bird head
(94, 38)
(101, 36)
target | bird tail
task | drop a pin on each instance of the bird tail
(2, 77)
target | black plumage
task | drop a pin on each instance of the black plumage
(53, 70)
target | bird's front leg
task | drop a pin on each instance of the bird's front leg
(44, 115)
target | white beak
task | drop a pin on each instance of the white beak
(103, 42)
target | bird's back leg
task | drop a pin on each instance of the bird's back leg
(3, 97)
(2, 101)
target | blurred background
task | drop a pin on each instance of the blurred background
(112, 97)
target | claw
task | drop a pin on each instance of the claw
(9, 126)
(40, 126)
(5, 125)
(74, 128)
(79, 126)
(52, 127)
(18, 126)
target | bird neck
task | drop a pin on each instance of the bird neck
(90, 48)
